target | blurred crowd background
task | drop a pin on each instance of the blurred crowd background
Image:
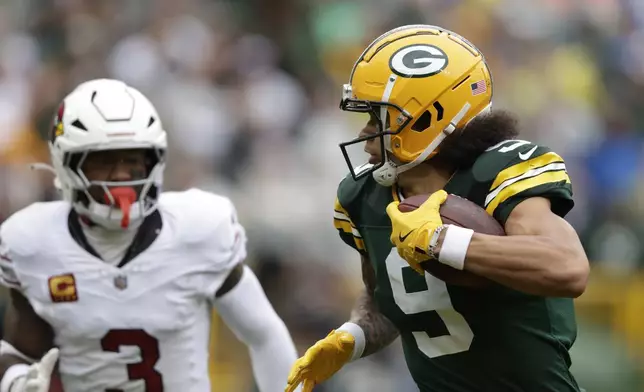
(249, 90)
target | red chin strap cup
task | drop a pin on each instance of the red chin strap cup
(124, 197)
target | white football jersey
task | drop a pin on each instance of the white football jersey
(144, 326)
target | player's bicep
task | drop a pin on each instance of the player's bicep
(24, 329)
(346, 228)
(535, 172)
(534, 217)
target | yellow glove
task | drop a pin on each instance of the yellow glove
(321, 361)
(412, 231)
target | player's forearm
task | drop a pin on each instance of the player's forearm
(26, 339)
(272, 358)
(532, 264)
(271, 348)
(378, 330)
(250, 316)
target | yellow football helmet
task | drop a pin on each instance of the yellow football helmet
(420, 82)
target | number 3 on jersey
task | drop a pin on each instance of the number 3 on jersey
(435, 304)
(149, 348)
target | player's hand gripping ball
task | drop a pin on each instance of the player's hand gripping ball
(452, 210)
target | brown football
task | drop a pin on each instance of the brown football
(461, 212)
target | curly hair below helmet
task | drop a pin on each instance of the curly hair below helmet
(461, 149)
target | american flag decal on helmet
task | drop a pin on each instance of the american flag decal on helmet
(479, 87)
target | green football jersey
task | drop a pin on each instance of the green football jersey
(462, 339)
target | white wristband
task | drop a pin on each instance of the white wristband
(358, 334)
(454, 247)
(12, 374)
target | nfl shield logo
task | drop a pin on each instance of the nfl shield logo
(120, 282)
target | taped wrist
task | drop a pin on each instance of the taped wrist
(454, 247)
(358, 335)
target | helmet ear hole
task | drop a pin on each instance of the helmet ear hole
(423, 122)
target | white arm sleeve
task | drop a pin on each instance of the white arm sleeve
(249, 314)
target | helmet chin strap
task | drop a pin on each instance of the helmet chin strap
(42, 166)
(387, 174)
(48, 168)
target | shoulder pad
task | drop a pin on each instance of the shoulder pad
(207, 225)
(505, 154)
(515, 170)
(23, 234)
(21, 231)
(350, 191)
(197, 212)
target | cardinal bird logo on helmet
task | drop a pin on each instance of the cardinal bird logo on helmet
(57, 127)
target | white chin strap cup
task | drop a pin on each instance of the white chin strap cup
(387, 174)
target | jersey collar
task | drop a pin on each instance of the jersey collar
(145, 236)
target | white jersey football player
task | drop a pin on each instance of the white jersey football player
(115, 283)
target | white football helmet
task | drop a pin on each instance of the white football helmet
(106, 114)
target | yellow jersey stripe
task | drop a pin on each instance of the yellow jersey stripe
(342, 222)
(555, 166)
(359, 243)
(341, 216)
(516, 187)
(338, 208)
(347, 228)
(523, 167)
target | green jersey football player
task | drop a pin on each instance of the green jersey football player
(428, 93)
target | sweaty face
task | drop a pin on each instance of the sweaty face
(114, 166)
